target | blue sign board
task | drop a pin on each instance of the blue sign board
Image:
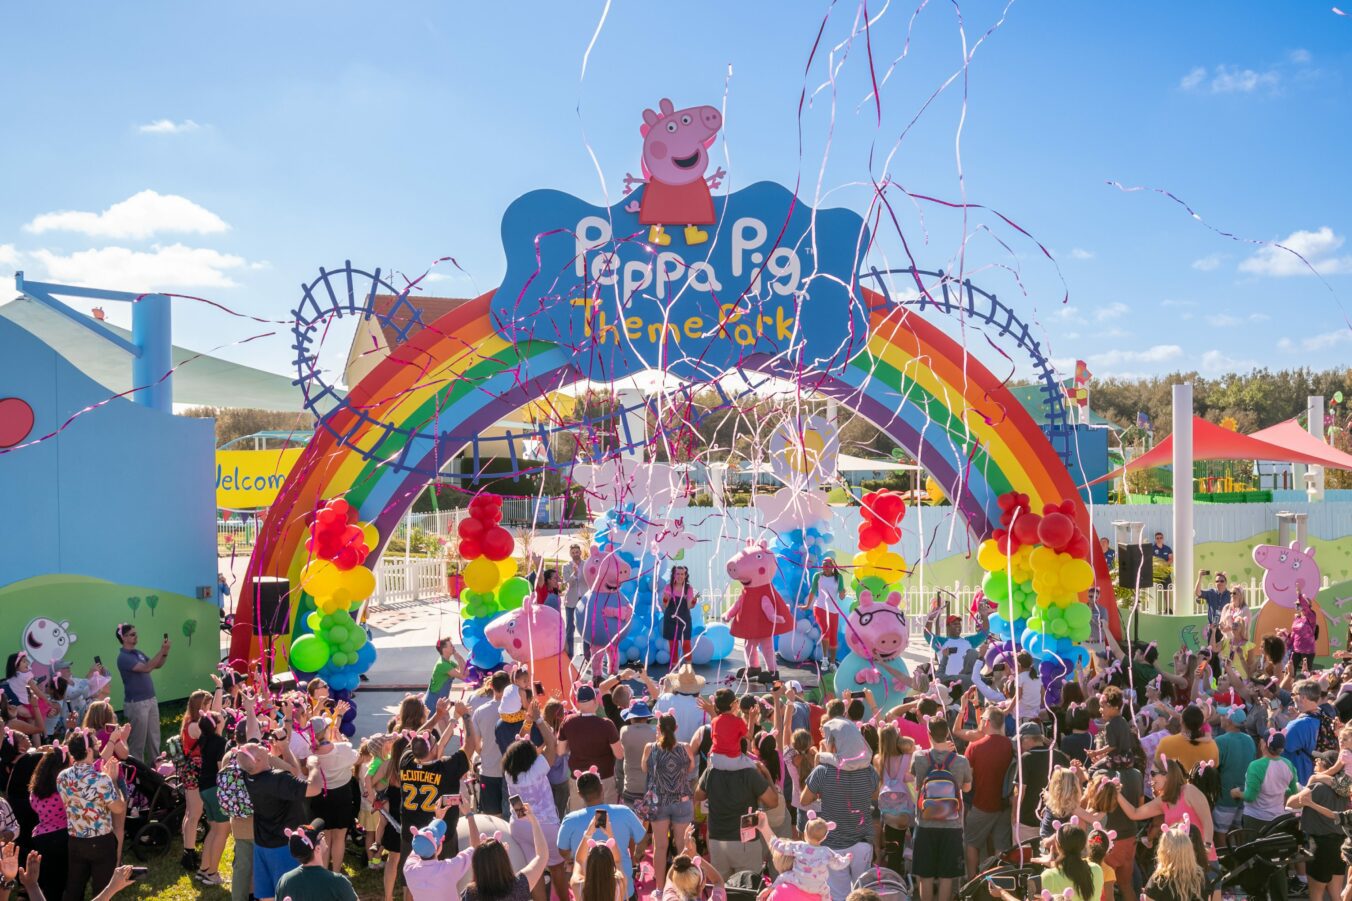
(768, 278)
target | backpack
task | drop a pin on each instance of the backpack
(1327, 739)
(174, 751)
(940, 795)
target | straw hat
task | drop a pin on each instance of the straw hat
(685, 681)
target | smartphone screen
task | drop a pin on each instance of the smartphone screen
(748, 827)
(98, 660)
(539, 689)
(601, 819)
(139, 873)
(518, 809)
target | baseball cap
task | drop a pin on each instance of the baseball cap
(304, 841)
(1031, 730)
(427, 842)
(794, 685)
(585, 693)
(954, 620)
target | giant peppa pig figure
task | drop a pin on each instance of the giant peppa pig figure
(877, 634)
(533, 635)
(675, 158)
(604, 610)
(760, 613)
(1291, 579)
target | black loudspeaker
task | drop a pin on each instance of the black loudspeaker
(1135, 566)
(273, 606)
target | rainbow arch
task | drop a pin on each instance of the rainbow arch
(459, 376)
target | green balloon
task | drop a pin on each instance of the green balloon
(1058, 628)
(1337, 397)
(359, 639)
(1035, 623)
(513, 592)
(1078, 615)
(1079, 633)
(315, 621)
(337, 635)
(309, 653)
(995, 587)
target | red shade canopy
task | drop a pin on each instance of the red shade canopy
(1286, 443)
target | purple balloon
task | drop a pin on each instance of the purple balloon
(997, 650)
(1053, 674)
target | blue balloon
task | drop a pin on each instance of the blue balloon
(721, 638)
(1000, 626)
(485, 656)
(366, 656)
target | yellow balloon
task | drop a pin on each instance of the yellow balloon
(506, 569)
(1021, 564)
(1078, 575)
(988, 556)
(370, 535)
(357, 584)
(892, 567)
(319, 577)
(481, 575)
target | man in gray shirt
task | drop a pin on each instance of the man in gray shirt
(577, 584)
(139, 705)
(492, 783)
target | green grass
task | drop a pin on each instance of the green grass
(168, 880)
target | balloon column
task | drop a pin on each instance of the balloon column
(800, 553)
(491, 583)
(336, 649)
(877, 568)
(1036, 568)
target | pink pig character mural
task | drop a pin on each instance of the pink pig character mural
(1291, 580)
(533, 635)
(759, 614)
(675, 157)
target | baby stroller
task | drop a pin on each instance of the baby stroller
(889, 884)
(1012, 870)
(1257, 861)
(155, 809)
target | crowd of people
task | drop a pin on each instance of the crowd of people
(1135, 778)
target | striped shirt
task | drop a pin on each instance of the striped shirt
(846, 798)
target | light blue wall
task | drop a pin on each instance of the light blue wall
(122, 493)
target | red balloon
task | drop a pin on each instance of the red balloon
(493, 517)
(1056, 530)
(869, 538)
(347, 558)
(343, 508)
(1078, 546)
(327, 517)
(1025, 528)
(470, 529)
(891, 534)
(497, 544)
(469, 548)
(1005, 542)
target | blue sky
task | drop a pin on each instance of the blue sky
(229, 150)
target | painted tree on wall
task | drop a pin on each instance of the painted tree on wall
(135, 604)
(189, 627)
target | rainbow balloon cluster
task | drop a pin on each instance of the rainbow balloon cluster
(336, 648)
(877, 567)
(1036, 568)
(491, 583)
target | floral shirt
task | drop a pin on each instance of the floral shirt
(87, 794)
(9, 825)
(811, 865)
(232, 794)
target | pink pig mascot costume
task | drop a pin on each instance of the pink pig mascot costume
(533, 636)
(760, 613)
(1291, 580)
(604, 610)
(877, 634)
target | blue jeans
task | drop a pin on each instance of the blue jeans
(493, 795)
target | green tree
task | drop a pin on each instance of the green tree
(189, 627)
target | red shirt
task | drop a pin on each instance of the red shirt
(990, 757)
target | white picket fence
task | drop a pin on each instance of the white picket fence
(408, 579)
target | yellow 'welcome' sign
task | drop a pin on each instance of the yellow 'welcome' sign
(246, 479)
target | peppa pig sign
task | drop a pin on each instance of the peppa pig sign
(675, 277)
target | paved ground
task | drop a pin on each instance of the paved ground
(405, 634)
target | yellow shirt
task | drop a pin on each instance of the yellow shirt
(1056, 882)
(1180, 748)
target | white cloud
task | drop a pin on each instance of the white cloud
(1111, 311)
(1299, 56)
(1178, 303)
(9, 257)
(1230, 80)
(1319, 249)
(159, 269)
(1325, 341)
(168, 127)
(1208, 263)
(1078, 253)
(1193, 79)
(140, 216)
(1215, 361)
(1224, 320)
(1159, 353)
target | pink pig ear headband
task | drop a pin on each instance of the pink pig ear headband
(578, 774)
(302, 835)
(1073, 821)
(1064, 896)
(1097, 833)
(812, 815)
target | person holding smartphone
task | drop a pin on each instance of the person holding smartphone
(591, 822)
(140, 706)
(88, 789)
